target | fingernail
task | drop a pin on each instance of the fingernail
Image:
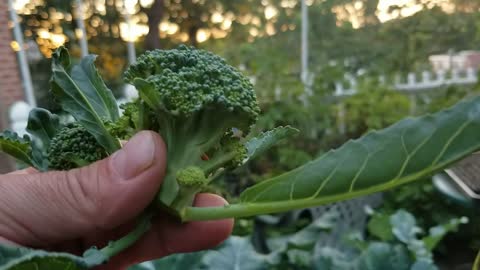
(135, 157)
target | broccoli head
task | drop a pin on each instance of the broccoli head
(73, 147)
(197, 99)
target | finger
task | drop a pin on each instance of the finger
(4, 241)
(29, 170)
(168, 236)
(47, 208)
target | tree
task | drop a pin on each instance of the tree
(155, 15)
(214, 18)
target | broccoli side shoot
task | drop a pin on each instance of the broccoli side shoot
(73, 147)
(198, 99)
(125, 127)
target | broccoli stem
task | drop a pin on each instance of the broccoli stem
(185, 198)
(117, 246)
(213, 165)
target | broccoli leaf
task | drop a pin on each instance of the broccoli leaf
(266, 140)
(43, 125)
(88, 79)
(85, 96)
(409, 150)
(406, 151)
(17, 147)
(19, 258)
(149, 94)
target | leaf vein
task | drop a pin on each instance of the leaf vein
(450, 140)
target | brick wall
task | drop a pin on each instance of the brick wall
(10, 84)
(6, 164)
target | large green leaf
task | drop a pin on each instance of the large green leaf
(17, 147)
(85, 96)
(18, 258)
(409, 150)
(43, 125)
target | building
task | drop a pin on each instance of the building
(11, 89)
(460, 61)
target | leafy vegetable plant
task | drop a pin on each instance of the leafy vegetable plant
(204, 109)
(391, 245)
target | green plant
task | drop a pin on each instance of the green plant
(394, 242)
(372, 107)
(291, 251)
(182, 92)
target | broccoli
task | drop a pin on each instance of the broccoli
(73, 147)
(201, 106)
(197, 99)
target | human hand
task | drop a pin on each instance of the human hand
(74, 210)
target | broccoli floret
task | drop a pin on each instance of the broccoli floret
(73, 147)
(191, 177)
(198, 99)
(136, 116)
(191, 180)
(124, 128)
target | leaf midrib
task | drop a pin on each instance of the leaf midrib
(250, 208)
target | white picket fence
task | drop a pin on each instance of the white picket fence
(427, 81)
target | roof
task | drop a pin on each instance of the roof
(467, 174)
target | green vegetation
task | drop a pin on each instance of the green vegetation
(393, 241)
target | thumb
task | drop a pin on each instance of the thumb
(46, 208)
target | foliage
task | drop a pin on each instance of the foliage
(445, 97)
(19, 258)
(293, 250)
(395, 243)
(85, 96)
(371, 108)
(17, 147)
(392, 244)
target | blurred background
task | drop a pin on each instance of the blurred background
(335, 69)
